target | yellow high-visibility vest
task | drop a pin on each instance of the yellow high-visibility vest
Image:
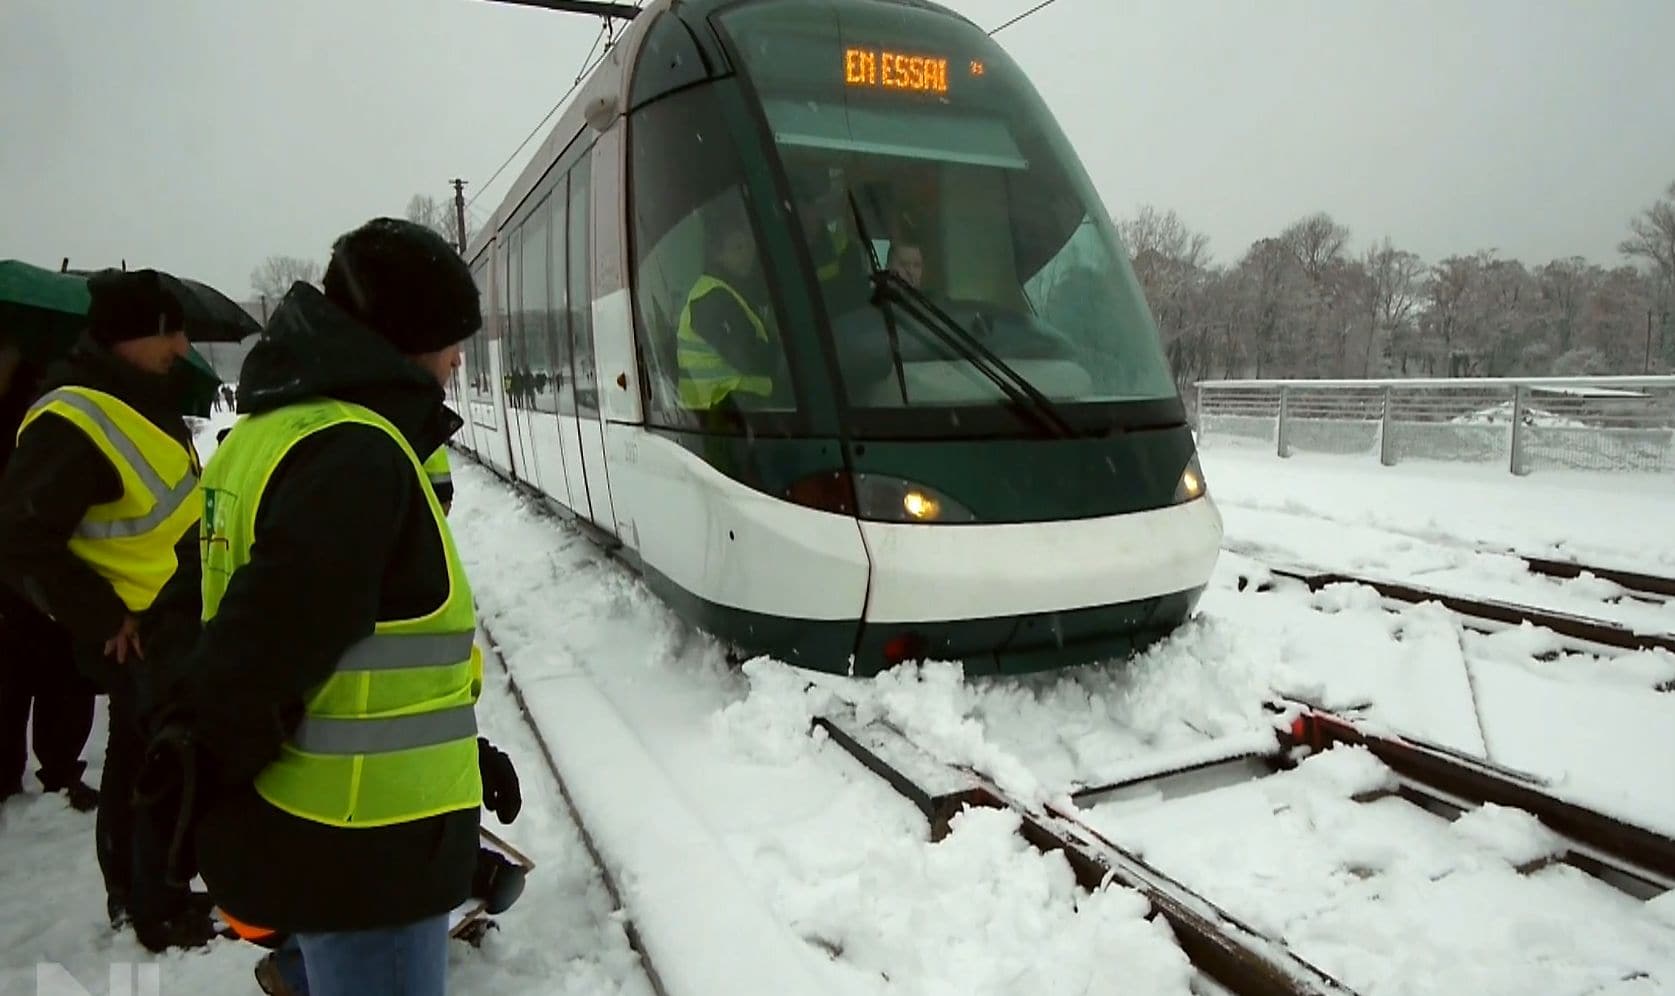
(130, 541)
(437, 469)
(391, 736)
(705, 375)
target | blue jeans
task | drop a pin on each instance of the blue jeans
(411, 960)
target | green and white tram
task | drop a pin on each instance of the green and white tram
(808, 308)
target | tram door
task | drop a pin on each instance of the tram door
(584, 416)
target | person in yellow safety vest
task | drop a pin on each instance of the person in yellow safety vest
(98, 510)
(41, 689)
(840, 264)
(441, 478)
(723, 345)
(330, 696)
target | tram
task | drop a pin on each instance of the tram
(808, 310)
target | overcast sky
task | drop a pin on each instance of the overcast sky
(204, 135)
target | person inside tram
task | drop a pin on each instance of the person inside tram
(725, 345)
(823, 207)
(907, 261)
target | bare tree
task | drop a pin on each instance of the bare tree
(1566, 285)
(433, 213)
(1302, 303)
(1390, 288)
(1654, 241)
(276, 274)
(1317, 241)
(1654, 236)
(1170, 261)
(438, 215)
(1164, 236)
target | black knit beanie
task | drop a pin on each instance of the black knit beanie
(123, 306)
(405, 282)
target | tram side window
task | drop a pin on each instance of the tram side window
(710, 330)
(534, 377)
(481, 387)
(558, 286)
(581, 290)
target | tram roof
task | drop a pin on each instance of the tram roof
(612, 78)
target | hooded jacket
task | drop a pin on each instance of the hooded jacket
(53, 477)
(344, 538)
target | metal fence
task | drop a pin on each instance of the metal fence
(1526, 424)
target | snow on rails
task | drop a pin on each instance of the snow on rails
(1485, 615)
(1230, 953)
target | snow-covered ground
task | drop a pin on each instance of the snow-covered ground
(754, 857)
(1389, 899)
(1611, 520)
(560, 937)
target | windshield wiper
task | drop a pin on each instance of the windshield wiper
(1016, 387)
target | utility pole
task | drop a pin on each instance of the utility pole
(459, 213)
(1648, 340)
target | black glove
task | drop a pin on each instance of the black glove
(496, 881)
(500, 781)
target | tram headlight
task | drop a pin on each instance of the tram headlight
(878, 498)
(920, 507)
(893, 499)
(1191, 485)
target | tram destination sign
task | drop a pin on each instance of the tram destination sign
(884, 69)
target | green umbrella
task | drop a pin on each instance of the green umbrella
(40, 309)
(44, 311)
(198, 385)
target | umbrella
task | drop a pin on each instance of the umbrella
(42, 310)
(198, 383)
(45, 311)
(211, 316)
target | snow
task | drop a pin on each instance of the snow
(1390, 899)
(560, 937)
(1612, 520)
(755, 855)
(1591, 724)
(713, 803)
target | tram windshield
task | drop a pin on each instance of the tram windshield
(912, 143)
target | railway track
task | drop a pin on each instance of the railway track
(1485, 615)
(1229, 954)
(620, 910)
(1638, 585)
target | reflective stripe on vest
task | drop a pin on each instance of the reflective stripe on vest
(130, 541)
(705, 375)
(383, 652)
(390, 736)
(325, 735)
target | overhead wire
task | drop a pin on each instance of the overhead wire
(1040, 6)
(589, 62)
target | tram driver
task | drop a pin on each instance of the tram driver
(907, 261)
(725, 346)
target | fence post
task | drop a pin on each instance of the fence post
(1386, 452)
(1518, 467)
(1284, 447)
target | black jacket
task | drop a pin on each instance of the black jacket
(54, 476)
(344, 537)
(731, 331)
